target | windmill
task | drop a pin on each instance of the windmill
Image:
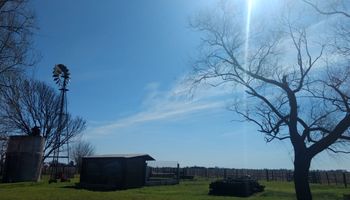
(61, 76)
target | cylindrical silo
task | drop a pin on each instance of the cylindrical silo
(23, 158)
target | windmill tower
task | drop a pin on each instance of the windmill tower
(61, 76)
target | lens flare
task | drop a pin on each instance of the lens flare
(247, 31)
(245, 65)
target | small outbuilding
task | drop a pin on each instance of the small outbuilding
(116, 171)
(23, 159)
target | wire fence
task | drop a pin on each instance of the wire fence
(337, 177)
(162, 173)
(63, 170)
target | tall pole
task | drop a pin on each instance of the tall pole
(61, 76)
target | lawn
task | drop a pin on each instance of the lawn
(185, 190)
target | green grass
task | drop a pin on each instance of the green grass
(185, 190)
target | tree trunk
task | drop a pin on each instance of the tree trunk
(301, 176)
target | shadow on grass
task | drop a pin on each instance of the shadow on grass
(327, 195)
(78, 186)
(279, 194)
(291, 195)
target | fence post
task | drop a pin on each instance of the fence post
(344, 180)
(178, 172)
(335, 177)
(267, 174)
(319, 177)
(327, 178)
(313, 177)
(273, 176)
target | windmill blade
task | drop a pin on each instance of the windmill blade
(61, 74)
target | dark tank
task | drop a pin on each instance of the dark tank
(240, 187)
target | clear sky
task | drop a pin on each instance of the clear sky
(128, 60)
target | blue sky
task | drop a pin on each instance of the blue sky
(129, 60)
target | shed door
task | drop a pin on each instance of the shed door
(103, 172)
(112, 171)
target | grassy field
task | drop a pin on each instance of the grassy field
(185, 190)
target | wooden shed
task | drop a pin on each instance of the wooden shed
(116, 171)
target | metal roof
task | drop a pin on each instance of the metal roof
(145, 156)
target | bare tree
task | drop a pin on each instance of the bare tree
(79, 150)
(332, 8)
(17, 23)
(303, 98)
(30, 103)
(341, 29)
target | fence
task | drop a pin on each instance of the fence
(337, 177)
(68, 171)
(162, 173)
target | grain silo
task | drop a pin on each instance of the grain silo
(23, 158)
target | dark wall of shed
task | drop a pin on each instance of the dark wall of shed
(102, 171)
(118, 173)
(135, 172)
(23, 159)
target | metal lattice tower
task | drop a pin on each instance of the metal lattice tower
(61, 76)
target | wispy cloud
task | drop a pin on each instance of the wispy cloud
(161, 106)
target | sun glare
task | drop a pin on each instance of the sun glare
(247, 28)
(246, 54)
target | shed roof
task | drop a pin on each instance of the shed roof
(145, 156)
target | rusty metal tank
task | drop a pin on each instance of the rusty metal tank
(23, 159)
